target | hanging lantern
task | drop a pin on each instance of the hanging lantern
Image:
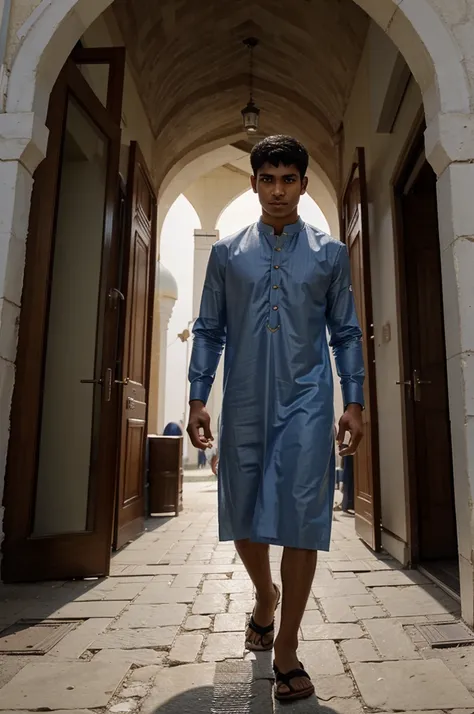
(251, 113)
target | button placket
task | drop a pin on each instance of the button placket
(273, 318)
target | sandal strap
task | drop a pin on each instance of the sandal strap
(285, 678)
(259, 630)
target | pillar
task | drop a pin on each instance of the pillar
(166, 309)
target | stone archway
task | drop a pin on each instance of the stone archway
(432, 35)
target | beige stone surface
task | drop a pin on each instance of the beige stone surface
(332, 631)
(144, 616)
(186, 648)
(391, 640)
(415, 685)
(80, 685)
(221, 646)
(320, 658)
(361, 650)
(415, 600)
(230, 623)
(135, 638)
(189, 688)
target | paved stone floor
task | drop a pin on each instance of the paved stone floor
(165, 633)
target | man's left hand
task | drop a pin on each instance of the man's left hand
(351, 421)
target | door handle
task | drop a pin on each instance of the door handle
(123, 381)
(407, 384)
(417, 382)
(107, 382)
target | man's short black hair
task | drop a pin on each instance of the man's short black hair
(277, 150)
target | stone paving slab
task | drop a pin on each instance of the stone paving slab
(186, 648)
(80, 685)
(75, 610)
(414, 685)
(330, 631)
(415, 600)
(77, 642)
(393, 577)
(145, 616)
(160, 594)
(221, 646)
(139, 657)
(135, 639)
(320, 658)
(391, 640)
(182, 690)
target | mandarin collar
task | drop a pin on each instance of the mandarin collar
(288, 230)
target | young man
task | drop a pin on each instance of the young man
(271, 292)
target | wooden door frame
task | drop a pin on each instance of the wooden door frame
(22, 461)
(407, 168)
(121, 535)
(358, 164)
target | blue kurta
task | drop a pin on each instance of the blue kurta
(270, 300)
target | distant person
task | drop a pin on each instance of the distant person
(172, 429)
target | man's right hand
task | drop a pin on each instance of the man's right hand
(199, 426)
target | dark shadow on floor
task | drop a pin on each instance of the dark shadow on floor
(206, 700)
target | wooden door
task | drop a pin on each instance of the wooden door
(366, 462)
(133, 377)
(426, 389)
(61, 466)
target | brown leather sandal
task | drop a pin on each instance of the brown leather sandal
(294, 694)
(263, 632)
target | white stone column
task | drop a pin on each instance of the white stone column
(203, 242)
(448, 140)
(166, 309)
(23, 141)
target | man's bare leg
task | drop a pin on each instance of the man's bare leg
(256, 559)
(297, 573)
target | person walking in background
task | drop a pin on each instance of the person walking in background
(271, 292)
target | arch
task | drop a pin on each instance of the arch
(207, 157)
(51, 31)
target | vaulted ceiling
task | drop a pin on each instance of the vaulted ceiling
(192, 68)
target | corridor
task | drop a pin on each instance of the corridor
(165, 633)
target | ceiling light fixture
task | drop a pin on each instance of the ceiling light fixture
(251, 113)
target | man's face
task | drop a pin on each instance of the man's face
(279, 189)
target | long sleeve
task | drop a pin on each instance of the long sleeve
(209, 331)
(345, 332)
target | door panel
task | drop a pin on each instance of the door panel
(139, 272)
(366, 461)
(434, 508)
(62, 456)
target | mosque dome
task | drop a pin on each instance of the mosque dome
(166, 284)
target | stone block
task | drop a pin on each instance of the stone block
(320, 658)
(391, 640)
(209, 604)
(79, 640)
(144, 616)
(182, 690)
(415, 685)
(76, 610)
(228, 586)
(138, 657)
(197, 622)
(52, 686)
(162, 594)
(415, 600)
(369, 612)
(361, 650)
(186, 648)
(223, 646)
(393, 577)
(230, 622)
(135, 639)
(330, 631)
